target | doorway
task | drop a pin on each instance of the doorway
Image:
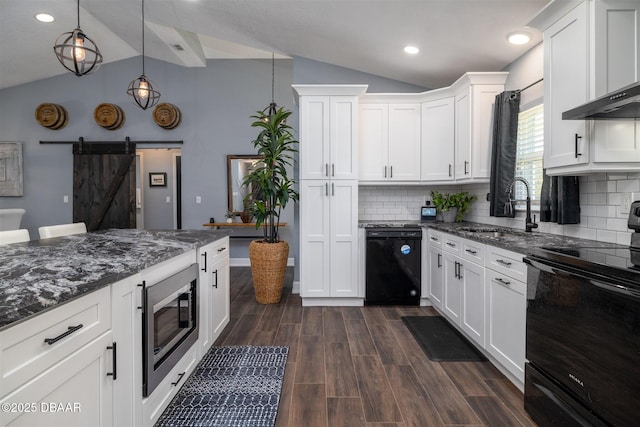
(158, 192)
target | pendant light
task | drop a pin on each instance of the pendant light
(77, 52)
(272, 108)
(141, 89)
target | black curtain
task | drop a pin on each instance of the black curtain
(560, 199)
(503, 153)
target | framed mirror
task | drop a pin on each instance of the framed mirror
(239, 166)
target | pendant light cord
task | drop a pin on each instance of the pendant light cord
(273, 76)
(78, 4)
(143, 37)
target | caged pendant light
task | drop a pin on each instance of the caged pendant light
(141, 89)
(77, 52)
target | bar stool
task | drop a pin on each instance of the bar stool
(49, 231)
(10, 219)
(14, 236)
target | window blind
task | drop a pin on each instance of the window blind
(530, 145)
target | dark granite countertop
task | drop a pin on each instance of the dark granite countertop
(41, 274)
(512, 239)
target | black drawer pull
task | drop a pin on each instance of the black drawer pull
(71, 330)
(439, 260)
(453, 245)
(471, 251)
(113, 374)
(204, 263)
(503, 262)
(215, 285)
(221, 249)
(435, 239)
(179, 379)
(504, 282)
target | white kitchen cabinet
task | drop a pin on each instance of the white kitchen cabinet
(590, 50)
(452, 301)
(213, 260)
(328, 131)
(389, 147)
(328, 239)
(506, 306)
(473, 129)
(62, 356)
(438, 140)
(126, 323)
(434, 282)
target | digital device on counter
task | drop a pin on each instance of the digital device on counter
(428, 213)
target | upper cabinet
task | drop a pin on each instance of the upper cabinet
(475, 95)
(590, 48)
(329, 126)
(438, 139)
(389, 148)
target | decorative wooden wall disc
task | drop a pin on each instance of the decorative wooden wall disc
(52, 116)
(167, 116)
(109, 116)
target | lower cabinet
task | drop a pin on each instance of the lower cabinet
(435, 276)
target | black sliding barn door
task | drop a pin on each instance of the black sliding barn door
(104, 179)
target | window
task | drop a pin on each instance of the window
(529, 154)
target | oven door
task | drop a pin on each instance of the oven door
(583, 332)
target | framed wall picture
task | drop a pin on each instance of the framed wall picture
(157, 179)
(11, 169)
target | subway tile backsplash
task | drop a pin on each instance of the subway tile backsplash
(601, 213)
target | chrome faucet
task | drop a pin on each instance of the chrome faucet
(529, 224)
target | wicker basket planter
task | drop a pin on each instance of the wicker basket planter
(268, 267)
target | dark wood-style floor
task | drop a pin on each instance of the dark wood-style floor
(360, 366)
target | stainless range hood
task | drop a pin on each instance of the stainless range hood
(621, 104)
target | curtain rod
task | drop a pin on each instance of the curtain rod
(527, 87)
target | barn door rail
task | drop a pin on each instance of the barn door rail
(128, 144)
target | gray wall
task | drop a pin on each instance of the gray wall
(215, 102)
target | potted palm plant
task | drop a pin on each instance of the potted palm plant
(270, 190)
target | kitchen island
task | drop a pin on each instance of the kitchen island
(77, 313)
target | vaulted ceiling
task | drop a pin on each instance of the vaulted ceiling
(454, 36)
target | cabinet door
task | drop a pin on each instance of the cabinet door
(314, 137)
(438, 130)
(566, 86)
(344, 138)
(344, 238)
(74, 392)
(506, 319)
(462, 169)
(126, 297)
(482, 108)
(373, 142)
(435, 276)
(315, 238)
(404, 142)
(473, 306)
(218, 306)
(452, 302)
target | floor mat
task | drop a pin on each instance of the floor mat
(231, 386)
(440, 341)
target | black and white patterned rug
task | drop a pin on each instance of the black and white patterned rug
(231, 386)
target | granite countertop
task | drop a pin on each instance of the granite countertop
(41, 274)
(512, 239)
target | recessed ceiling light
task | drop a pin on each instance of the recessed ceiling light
(44, 17)
(518, 38)
(411, 50)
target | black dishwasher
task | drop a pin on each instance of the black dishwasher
(393, 266)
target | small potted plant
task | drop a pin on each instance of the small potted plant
(452, 207)
(229, 215)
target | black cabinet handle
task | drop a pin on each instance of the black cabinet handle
(504, 282)
(143, 285)
(333, 189)
(205, 262)
(333, 169)
(385, 171)
(215, 285)
(326, 169)
(465, 167)
(222, 249)
(179, 379)
(453, 245)
(391, 171)
(455, 269)
(70, 330)
(439, 262)
(113, 374)
(576, 140)
(503, 262)
(471, 251)
(449, 170)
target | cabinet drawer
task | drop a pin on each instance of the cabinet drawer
(472, 251)
(507, 262)
(508, 282)
(451, 243)
(24, 353)
(213, 252)
(434, 238)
